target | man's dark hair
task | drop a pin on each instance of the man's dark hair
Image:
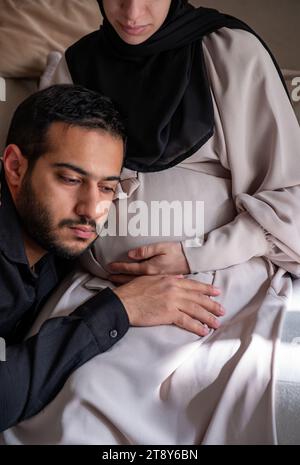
(70, 104)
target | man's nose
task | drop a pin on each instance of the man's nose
(132, 9)
(90, 205)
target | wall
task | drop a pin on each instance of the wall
(277, 21)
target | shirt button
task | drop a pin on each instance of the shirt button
(113, 333)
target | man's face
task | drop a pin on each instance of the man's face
(67, 194)
(136, 20)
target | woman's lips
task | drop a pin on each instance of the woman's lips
(133, 31)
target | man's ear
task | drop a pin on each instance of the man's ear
(15, 167)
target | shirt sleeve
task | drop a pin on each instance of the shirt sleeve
(35, 370)
(261, 149)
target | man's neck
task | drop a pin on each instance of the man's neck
(33, 251)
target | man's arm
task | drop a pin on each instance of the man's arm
(36, 369)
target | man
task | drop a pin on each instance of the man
(61, 166)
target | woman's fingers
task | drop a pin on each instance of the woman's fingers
(137, 269)
(120, 278)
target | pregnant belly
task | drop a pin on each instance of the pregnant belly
(173, 205)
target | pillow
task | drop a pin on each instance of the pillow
(13, 92)
(52, 62)
(42, 26)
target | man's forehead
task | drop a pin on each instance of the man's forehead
(85, 172)
(89, 156)
(60, 134)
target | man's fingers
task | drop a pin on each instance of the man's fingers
(206, 289)
(197, 312)
(184, 321)
(204, 301)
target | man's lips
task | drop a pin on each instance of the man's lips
(83, 232)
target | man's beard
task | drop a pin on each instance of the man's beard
(36, 221)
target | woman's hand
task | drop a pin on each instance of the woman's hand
(165, 258)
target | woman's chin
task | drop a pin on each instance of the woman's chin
(132, 40)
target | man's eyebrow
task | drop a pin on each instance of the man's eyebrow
(79, 170)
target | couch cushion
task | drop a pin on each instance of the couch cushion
(30, 29)
(13, 91)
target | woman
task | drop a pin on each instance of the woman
(208, 120)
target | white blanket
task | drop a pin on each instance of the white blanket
(164, 385)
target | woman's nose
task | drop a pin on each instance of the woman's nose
(132, 9)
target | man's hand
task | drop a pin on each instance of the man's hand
(161, 258)
(164, 300)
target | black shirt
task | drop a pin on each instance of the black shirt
(36, 369)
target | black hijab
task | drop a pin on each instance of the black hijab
(160, 86)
